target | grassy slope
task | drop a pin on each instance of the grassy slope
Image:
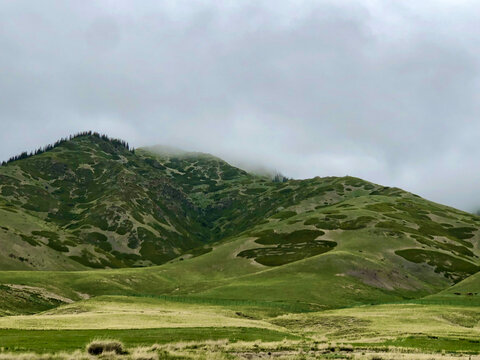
(362, 268)
(99, 205)
(269, 252)
(95, 205)
(465, 293)
(21, 252)
(89, 202)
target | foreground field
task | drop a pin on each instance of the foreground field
(196, 328)
(225, 350)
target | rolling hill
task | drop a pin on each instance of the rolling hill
(185, 224)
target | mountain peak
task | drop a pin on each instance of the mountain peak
(87, 201)
(86, 137)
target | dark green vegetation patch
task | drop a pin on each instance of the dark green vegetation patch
(284, 215)
(357, 223)
(451, 266)
(288, 252)
(290, 247)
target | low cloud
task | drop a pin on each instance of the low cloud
(383, 90)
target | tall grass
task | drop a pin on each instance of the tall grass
(99, 347)
(224, 350)
(291, 307)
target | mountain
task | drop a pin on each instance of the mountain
(95, 204)
(92, 202)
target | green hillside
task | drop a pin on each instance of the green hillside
(91, 202)
(220, 232)
(162, 246)
(97, 204)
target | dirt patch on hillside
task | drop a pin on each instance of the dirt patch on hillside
(41, 292)
(390, 280)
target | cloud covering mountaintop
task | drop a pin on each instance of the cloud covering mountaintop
(383, 90)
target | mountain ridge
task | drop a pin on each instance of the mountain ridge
(184, 224)
(91, 202)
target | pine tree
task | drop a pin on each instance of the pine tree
(117, 143)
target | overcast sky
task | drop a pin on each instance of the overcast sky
(383, 90)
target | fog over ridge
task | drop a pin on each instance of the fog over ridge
(382, 90)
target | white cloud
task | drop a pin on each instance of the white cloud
(385, 90)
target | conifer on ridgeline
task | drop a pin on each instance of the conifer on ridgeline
(118, 143)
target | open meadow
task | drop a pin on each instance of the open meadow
(193, 328)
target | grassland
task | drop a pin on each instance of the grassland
(189, 257)
(198, 330)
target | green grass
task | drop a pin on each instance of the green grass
(434, 343)
(421, 327)
(120, 312)
(361, 269)
(46, 341)
(235, 250)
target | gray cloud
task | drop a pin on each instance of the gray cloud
(384, 90)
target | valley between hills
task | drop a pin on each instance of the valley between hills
(180, 255)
